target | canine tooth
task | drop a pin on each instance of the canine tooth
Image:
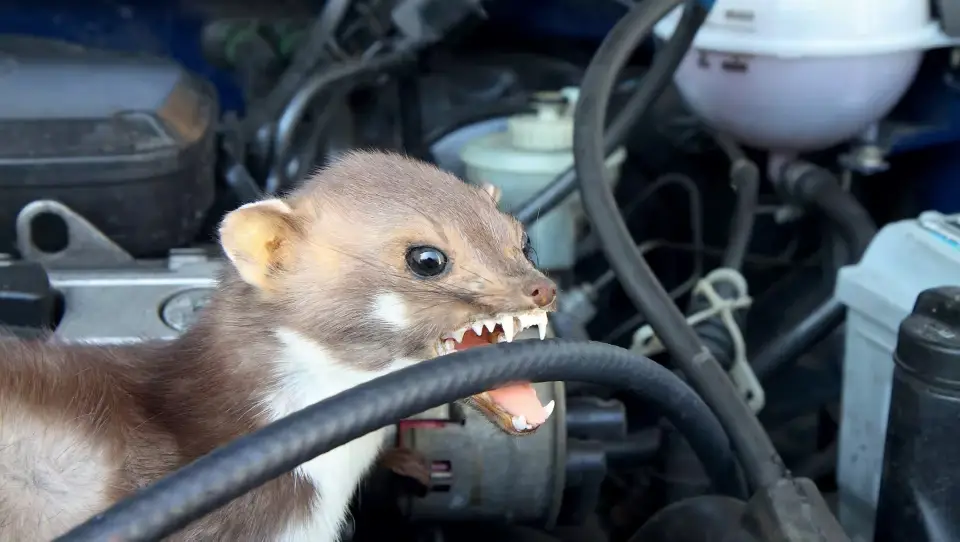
(542, 324)
(549, 408)
(458, 334)
(520, 423)
(490, 325)
(449, 346)
(477, 328)
(509, 330)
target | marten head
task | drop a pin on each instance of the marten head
(382, 259)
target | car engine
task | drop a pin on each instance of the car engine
(785, 170)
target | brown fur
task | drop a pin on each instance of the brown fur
(129, 415)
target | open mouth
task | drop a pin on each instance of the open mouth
(515, 408)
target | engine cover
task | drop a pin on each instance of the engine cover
(126, 141)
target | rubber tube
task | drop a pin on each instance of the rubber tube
(651, 86)
(230, 471)
(319, 83)
(760, 460)
(745, 178)
(820, 190)
(817, 189)
(787, 347)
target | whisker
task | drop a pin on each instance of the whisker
(474, 273)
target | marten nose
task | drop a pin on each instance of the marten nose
(542, 292)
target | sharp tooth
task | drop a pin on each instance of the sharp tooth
(520, 423)
(542, 324)
(490, 325)
(525, 321)
(549, 408)
(509, 330)
(458, 334)
(477, 328)
(449, 346)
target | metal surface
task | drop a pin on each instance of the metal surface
(142, 301)
(110, 298)
(181, 311)
(85, 244)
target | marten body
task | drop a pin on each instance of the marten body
(377, 263)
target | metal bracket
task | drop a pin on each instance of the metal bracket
(86, 245)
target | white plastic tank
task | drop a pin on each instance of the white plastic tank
(525, 158)
(802, 75)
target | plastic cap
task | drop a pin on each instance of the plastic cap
(550, 128)
(928, 344)
(531, 133)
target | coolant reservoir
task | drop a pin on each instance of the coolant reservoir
(523, 159)
(802, 75)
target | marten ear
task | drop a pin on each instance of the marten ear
(257, 239)
(493, 191)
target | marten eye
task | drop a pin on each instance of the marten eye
(426, 261)
(527, 248)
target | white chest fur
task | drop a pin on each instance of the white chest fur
(311, 374)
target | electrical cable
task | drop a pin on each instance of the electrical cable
(246, 463)
(695, 206)
(818, 190)
(757, 260)
(759, 458)
(696, 230)
(324, 81)
(304, 60)
(651, 86)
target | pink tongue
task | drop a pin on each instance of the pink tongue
(520, 400)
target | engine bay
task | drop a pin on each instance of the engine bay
(786, 175)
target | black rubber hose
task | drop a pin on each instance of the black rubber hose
(230, 471)
(657, 78)
(745, 178)
(819, 190)
(787, 347)
(762, 465)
